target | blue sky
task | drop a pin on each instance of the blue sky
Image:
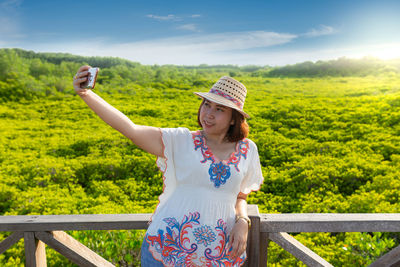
(205, 32)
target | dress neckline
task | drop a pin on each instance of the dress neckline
(216, 159)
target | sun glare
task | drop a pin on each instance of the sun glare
(388, 53)
(383, 51)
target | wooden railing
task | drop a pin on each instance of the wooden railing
(49, 229)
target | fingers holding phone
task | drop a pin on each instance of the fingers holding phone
(91, 78)
(85, 79)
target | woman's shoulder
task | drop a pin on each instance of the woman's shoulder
(175, 137)
(251, 144)
(176, 131)
(180, 135)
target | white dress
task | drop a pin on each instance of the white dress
(196, 212)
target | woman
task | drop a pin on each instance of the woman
(201, 218)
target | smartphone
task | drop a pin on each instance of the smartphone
(91, 78)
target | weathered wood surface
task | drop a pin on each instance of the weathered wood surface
(72, 249)
(264, 243)
(10, 240)
(392, 258)
(297, 249)
(265, 227)
(253, 240)
(300, 222)
(330, 222)
(74, 222)
(40, 253)
(35, 254)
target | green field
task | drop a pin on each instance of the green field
(326, 144)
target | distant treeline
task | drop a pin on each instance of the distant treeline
(58, 58)
(343, 67)
(28, 75)
(340, 67)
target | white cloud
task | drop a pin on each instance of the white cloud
(322, 30)
(221, 48)
(219, 41)
(164, 18)
(189, 27)
(172, 17)
(175, 51)
(208, 43)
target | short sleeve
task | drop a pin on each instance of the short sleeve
(171, 139)
(253, 178)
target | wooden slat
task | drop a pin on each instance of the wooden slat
(72, 249)
(74, 222)
(330, 222)
(392, 258)
(9, 241)
(35, 254)
(301, 252)
(41, 259)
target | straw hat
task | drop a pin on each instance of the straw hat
(228, 92)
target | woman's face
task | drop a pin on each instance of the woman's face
(215, 119)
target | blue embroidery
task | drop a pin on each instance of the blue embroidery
(220, 172)
(204, 235)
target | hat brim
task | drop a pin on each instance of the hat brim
(222, 101)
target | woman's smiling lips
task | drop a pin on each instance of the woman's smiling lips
(207, 124)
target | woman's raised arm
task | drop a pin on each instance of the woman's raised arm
(146, 137)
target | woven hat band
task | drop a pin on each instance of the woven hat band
(228, 97)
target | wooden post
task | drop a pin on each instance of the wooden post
(35, 253)
(253, 241)
(264, 242)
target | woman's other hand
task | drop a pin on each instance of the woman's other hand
(238, 239)
(80, 77)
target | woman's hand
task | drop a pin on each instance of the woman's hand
(238, 239)
(80, 77)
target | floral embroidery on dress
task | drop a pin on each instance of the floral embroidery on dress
(204, 235)
(175, 246)
(220, 172)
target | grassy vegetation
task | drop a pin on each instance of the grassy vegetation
(326, 144)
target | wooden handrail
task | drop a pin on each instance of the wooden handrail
(74, 222)
(39, 229)
(330, 222)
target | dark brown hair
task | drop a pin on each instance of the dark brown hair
(237, 131)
